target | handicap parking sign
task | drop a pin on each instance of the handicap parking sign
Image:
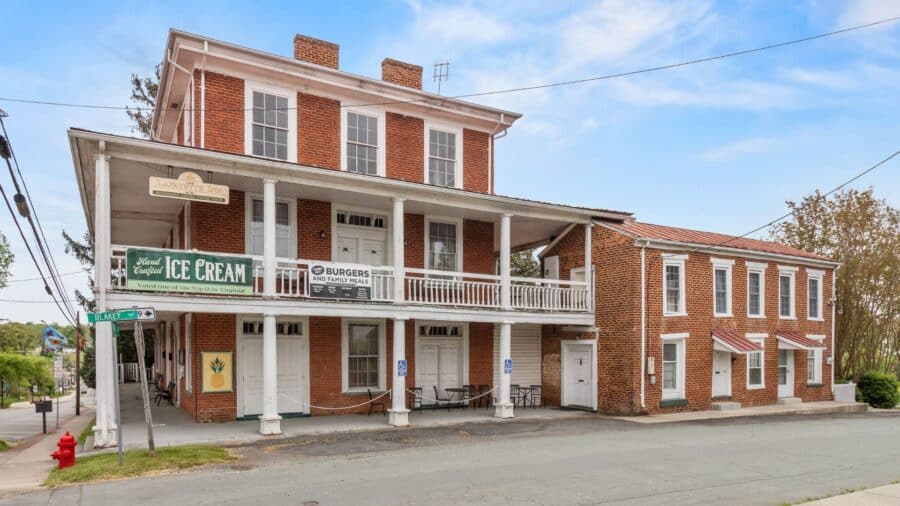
(401, 368)
(507, 366)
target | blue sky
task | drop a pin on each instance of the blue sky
(718, 146)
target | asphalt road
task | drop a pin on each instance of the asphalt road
(580, 461)
(17, 424)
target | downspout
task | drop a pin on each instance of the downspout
(494, 137)
(833, 311)
(643, 324)
(188, 72)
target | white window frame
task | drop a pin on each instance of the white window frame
(757, 268)
(456, 130)
(378, 114)
(722, 264)
(679, 261)
(292, 222)
(680, 339)
(459, 238)
(759, 339)
(791, 272)
(820, 277)
(345, 355)
(291, 95)
(819, 354)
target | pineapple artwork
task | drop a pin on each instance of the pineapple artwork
(217, 371)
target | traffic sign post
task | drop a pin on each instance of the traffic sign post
(123, 315)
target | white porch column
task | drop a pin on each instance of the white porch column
(270, 422)
(588, 265)
(504, 408)
(505, 286)
(399, 415)
(398, 251)
(269, 244)
(105, 427)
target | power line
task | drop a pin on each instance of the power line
(645, 70)
(36, 301)
(39, 278)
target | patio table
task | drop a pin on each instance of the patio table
(456, 394)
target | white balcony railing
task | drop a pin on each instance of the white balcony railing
(421, 286)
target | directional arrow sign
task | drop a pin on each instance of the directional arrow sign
(119, 315)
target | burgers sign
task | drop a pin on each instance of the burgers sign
(340, 281)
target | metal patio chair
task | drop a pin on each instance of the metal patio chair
(375, 404)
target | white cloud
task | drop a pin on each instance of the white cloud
(737, 149)
(825, 78)
(721, 94)
(859, 12)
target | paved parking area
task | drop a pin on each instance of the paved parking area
(19, 423)
(585, 460)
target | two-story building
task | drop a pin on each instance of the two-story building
(689, 320)
(310, 237)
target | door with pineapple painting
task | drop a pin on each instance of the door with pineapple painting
(292, 369)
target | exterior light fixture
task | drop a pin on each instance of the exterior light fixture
(322, 234)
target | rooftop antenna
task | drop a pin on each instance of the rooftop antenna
(441, 72)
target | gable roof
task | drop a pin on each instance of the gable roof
(652, 232)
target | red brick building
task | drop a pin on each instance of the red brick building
(689, 320)
(311, 237)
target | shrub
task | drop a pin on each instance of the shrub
(879, 389)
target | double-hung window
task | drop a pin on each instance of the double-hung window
(814, 362)
(722, 286)
(814, 294)
(756, 290)
(443, 246)
(673, 358)
(673, 285)
(283, 243)
(786, 290)
(270, 125)
(362, 143)
(443, 157)
(364, 356)
(756, 363)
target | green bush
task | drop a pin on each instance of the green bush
(880, 390)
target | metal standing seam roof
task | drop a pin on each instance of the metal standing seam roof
(684, 235)
(798, 339)
(734, 341)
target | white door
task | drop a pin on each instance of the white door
(292, 375)
(438, 364)
(551, 267)
(347, 250)
(721, 378)
(578, 376)
(785, 373)
(361, 246)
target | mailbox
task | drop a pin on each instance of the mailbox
(43, 406)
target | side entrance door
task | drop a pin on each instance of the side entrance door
(578, 375)
(721, 378)
(292, 369)
(438, 364)
(785, 373)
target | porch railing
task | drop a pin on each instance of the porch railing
(421, 286)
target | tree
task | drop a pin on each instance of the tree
(143, 94)
(6, 259)
(524, 265)
(16, 338)
(84, 253)
(863, 233)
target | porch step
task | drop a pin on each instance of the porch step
(726, 406)
(787, 401)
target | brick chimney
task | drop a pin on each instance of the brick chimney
(402, 73)
(319, 52)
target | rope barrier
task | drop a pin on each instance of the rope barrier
(339, 408)
(456, 401)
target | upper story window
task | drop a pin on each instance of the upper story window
(443, 246)
(284, 246)
(442, 157)
(722, 286)
(756, 290)
(786, 291)
(814, 294)
(673, 285)
(362, 143)
(270, 125)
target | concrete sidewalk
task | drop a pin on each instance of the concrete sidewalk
(26, 466)
(806, 408)
(879, 496)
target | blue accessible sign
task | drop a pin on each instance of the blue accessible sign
(507, 366)
(401, 368)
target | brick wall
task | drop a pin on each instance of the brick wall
(219, 228)
(212, 332)
(475, 161)
(224, 112)
(414, 236)
(318, 131)
(313, 216)
(402, 73)
(319, 52)
(478, 247)
(405, 145)
(481, 353)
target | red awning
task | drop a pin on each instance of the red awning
(733, 341)
(797, 341)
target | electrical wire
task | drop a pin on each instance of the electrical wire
(436, 98)
(22, 280)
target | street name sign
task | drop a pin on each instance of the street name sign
(123, 315)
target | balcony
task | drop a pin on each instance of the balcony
(421, 287)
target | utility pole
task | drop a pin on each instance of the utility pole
(78, 339)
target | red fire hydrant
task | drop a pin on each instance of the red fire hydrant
(66, 451)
